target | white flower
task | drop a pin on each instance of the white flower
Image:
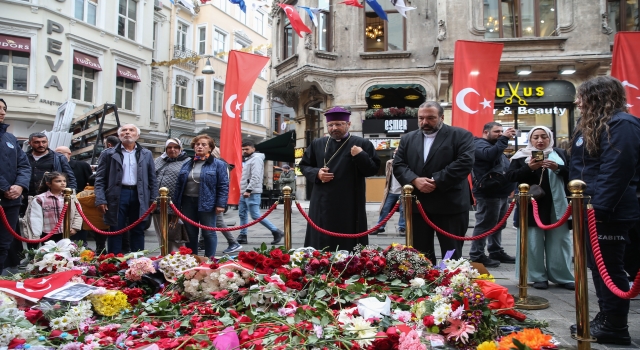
(417, 282)
(363, 330)
(346, 315)
(441, 313)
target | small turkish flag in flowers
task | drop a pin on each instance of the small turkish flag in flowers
(34, 289)
(294, 17)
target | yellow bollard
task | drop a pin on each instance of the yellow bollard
(164, 220)
(407, 198)
(66, 223)
(524, 301)
(583, 335)
(286, 190)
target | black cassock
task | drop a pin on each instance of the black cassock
(338, 205)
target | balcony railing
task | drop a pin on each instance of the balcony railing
(180, 51)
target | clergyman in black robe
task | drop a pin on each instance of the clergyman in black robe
(337, 166)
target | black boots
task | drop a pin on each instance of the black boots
(609, 329)
(277, 236)
(597, 319)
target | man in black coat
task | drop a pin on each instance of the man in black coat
(14, 182)
(436, 160)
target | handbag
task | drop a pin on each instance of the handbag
(177, 232)
(536, 191)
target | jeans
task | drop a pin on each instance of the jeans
(5, 237)
(190, 210)
(252, 204)
(129, 209)
(613, 238)
(489, 212)
(389, 203)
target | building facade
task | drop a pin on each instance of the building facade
(383, 70)
(84, 51)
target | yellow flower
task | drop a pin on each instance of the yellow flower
(110, 303)
(403, 268)
(488, 345)
(488, 277)
(87, 255)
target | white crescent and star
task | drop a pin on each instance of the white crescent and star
(227, 106)
(463, 106)
(288, 8)
(626, 83)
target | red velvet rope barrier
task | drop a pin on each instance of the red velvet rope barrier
(348, 235)
(225, 229)
(459, 238)
(597, 254)
(33, 241)
(119, 232)
(560, 222)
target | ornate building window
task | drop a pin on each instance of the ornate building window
(14, 70)
(218, 94)
(127, 17)
(180, 96)
(323, 31)
(516, 19)
(289, 39)
(381, 35)
(623, 15)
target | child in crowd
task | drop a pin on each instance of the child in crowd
(44, 210)
(87, 199)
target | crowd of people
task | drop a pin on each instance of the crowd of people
(437, 160)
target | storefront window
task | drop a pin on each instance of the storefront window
(524, 18)
(623, 16)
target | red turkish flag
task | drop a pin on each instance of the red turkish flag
(242, 71)
(34, 289)
(475, 75)
(625, 66)
(294, 17)
(355, 3)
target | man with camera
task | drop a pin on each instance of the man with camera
(491, 190)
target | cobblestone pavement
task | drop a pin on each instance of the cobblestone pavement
(560, 315)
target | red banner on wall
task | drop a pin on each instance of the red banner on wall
(625, 66)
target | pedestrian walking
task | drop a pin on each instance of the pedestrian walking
(251, 189)
(201, 192)
(128, 172)
(437, 160)
(392, 192)
(549, 251)
(605, 153)
(337, 165)
(14, 183)
(491, 189)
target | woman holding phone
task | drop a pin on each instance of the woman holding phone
(549, 251)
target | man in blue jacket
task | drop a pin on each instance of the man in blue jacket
(14, 181)
(493, 202)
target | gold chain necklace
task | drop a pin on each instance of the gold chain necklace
(326, 162)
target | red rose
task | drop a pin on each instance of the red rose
(33, 315)
(15, 342)
(295, 273)
(276, 254)
(185, 250)
(242, 256)
(324, 262)
(294, 285)
(260, 258)
(384, 342)
(316, 254)
(314, 264)
(428, 321)
(252, 255)
(285, 258)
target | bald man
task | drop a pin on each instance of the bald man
(81, 170)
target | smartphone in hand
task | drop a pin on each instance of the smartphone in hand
(537, 155)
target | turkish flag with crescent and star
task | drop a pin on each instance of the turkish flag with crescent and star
(625, 66)
(295, 20)
(242, 71)
(475, 75)
(34, 289)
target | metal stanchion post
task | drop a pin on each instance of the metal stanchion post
(286, 190)
(524, 301)
(583, 335)
(164, 220)
(66, 224)
(407, 198)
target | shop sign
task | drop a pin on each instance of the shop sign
(527, 110)
(389, 126)
(384, 144)
(523, 93)
(183, 113)
(395, 126)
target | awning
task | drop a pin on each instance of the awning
(128, 73)
(15, 43)
(280, 148)
(419, 88)
(86, 60)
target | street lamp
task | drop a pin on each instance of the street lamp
(208, 69)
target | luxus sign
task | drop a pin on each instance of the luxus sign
(525, 92)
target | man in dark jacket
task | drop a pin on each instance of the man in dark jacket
(437, 160)
(493, 202)
(129, 172)
(42, 160)
(14, 181)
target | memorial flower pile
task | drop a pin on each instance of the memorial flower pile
(270, 298)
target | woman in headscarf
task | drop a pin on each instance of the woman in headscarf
(168, 166)
(549, 251)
